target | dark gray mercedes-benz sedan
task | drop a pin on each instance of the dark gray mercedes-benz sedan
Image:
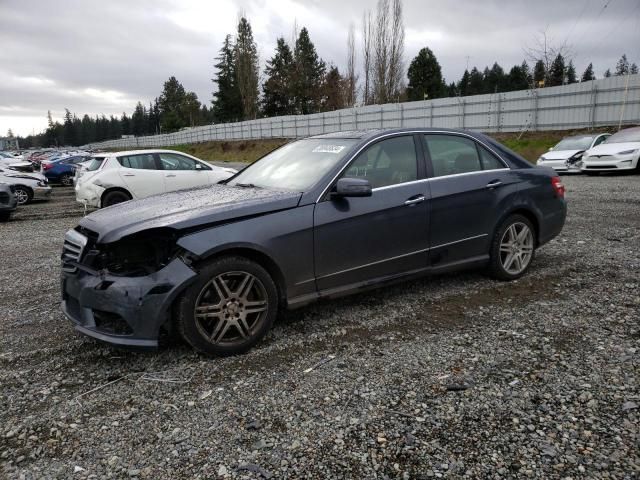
(320, 217)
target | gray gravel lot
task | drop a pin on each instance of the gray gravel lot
(452, 376)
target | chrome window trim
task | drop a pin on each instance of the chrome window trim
(470, 173)
(412, 132)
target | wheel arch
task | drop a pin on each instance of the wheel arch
(258, 256)
(529, 214)
(114, 189)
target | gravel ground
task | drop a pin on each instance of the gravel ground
(452, 376)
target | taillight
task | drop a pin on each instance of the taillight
(558, 186)
(46, 166)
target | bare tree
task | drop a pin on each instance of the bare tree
(544, 50)
(367, 54)
(381, 48)
(387, 66)
(396, 64)
(351, 87)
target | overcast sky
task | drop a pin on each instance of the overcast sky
(103, 56)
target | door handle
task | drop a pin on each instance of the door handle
(170, 175)
(494, 184)
(128, 175)
(413, 201)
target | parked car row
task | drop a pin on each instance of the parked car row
(591, 154)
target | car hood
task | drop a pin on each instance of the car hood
(186, 209)
(613, 148)
(18, 177)
(559, 154)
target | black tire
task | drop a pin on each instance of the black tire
(5, 216)
(225, 314)
(23, 194)
(66, 180)
(114, 197)
(499, 257)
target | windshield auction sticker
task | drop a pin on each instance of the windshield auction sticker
(328, 149)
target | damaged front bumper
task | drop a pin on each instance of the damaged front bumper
(126, 311)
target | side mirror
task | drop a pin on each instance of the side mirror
(352, 187)
(550, 148)
(199, 167)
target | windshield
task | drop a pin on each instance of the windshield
(296, 166)
(628, 135)
(574, 143)
(94, 163)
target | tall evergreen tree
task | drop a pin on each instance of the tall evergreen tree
(425, 77)
(519, 77)
(308, 75)
(607, 73)
(174, 107)
(333, 90)
(495, 79)
(556, 72)
(539, 73)
(476, 82)
(125, 125)
(246, 66)
(463, 84)
(138, 120)
(622, 67)
(227, 103)
(633, 69)
(588, 74)
(571, 73)
(277, 89)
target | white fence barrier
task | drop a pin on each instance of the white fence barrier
(598, 103)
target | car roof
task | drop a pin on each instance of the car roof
(139, 152)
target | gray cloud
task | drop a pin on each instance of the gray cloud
(102, 57)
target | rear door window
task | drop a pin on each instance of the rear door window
(489, 160)
(139, 162)
(452, 155)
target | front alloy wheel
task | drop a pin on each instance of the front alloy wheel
(512, 249)
(23, 196)
(229, 308)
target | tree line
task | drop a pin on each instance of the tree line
(296, 80)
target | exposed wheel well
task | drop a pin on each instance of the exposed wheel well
(532, 218)
(114, 189)
(265, 262)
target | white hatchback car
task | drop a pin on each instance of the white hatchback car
(111, 178)
(566, 156)
(621, 152)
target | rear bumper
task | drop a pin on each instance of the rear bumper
(552, 224)
(125, 311)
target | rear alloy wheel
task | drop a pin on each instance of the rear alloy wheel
(66, 180)
(115, 197)
(229, 308)
(23, 195)
(512, 249)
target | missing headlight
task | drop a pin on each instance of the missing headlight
(136, 255)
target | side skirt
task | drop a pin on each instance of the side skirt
(466, 264)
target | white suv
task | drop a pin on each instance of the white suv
(111, 178)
